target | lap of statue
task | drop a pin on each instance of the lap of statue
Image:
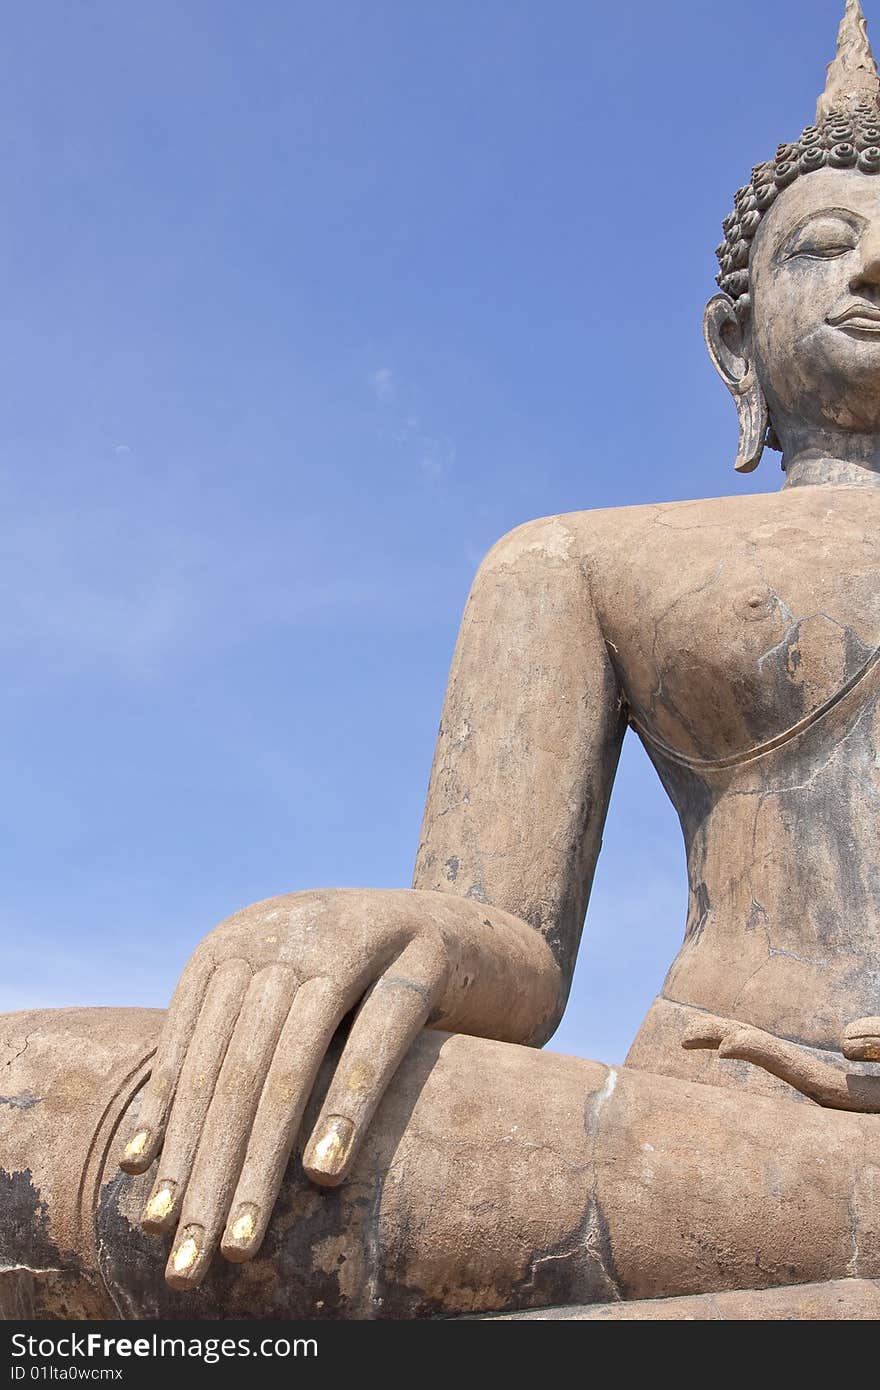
(495, 1177)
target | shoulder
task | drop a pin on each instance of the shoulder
(552, 539)
(612, 542)
(576, 536)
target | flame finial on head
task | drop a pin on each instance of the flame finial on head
(852, 74)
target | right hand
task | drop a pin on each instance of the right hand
(251, 1020)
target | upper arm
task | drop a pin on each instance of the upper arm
(529, 740)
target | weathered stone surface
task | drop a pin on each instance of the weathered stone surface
(846, 1300)
(495, 1176)
(344, 1114)
(65, 1075)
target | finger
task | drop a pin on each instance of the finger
(141, 1147)
(223, 1139)
(861, 1040)
(707, 1032)
(198, 1077)
(315, 1015)
(822, 1083)
(391, 1016)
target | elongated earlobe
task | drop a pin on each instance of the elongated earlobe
(751, 409)
(727, 340)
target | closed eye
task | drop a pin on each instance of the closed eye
(821, 236)
(818, 253)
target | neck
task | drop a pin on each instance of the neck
(832, 458)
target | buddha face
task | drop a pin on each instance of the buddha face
(815, 291)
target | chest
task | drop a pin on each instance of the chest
(726, 635)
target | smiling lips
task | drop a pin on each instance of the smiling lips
(864, 318)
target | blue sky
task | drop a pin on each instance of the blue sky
(305, 305)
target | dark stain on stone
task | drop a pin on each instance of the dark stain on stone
(757, 916)
(698, 912)
(286, 1279)
(693, 798)
(857, 652)
(23, 1102)
(24, 1238)
(132, 1264)
(579, 1269)
(306, 1219)
(452, 867)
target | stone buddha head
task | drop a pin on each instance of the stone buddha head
(795, 332)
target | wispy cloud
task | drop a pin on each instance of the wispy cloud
(382, 383)
(432, 454)
(437, 456)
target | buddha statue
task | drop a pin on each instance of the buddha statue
(346, 1110)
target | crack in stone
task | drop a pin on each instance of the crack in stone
(20, 1053)
(852, 1267)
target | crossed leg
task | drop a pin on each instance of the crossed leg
(495, 1178)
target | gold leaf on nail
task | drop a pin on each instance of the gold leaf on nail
(244, 1226)
(331, 1149)
(135, 1147)
(186, 1253)
(160, 1204)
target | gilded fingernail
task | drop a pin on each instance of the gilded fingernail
(187, 1250)
(331, 1149)
(242, 1228)
(161, 1202)
(245, 1224)
(135, 1147)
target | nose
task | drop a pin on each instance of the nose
(868, 274)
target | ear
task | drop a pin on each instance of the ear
(728, 338)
